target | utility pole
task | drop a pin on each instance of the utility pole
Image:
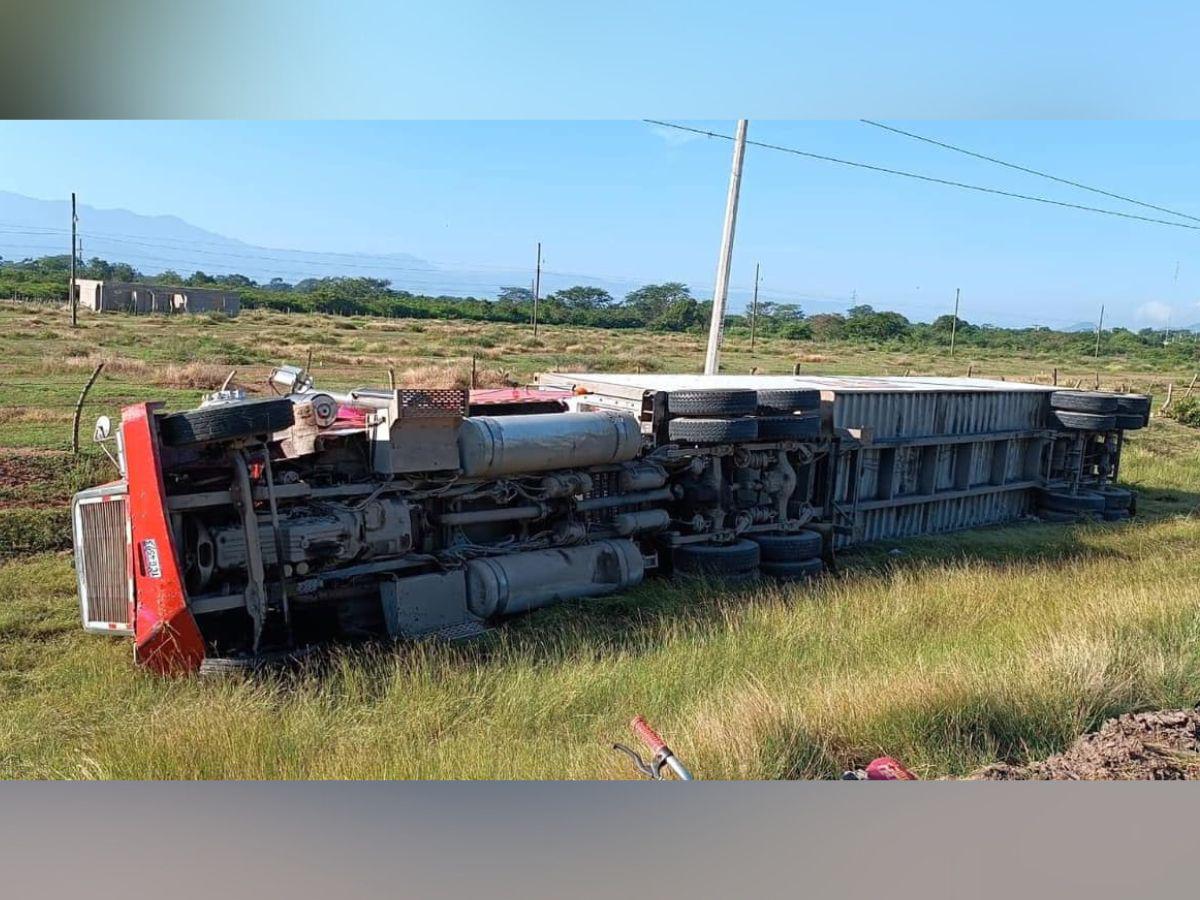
(537, 286)
(754, 308)
(712, 359)
(1099, 328)
(954, 323)
(74, 301)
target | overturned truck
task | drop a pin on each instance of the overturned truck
(250, 529)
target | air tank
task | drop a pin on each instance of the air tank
(492, 446)
(518, 582)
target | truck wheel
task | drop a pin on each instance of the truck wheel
(792, 547)
(784, 428)
(712, 431)
(1130, 421)
(224, 423)
(788, 400)
(1084, 401)
(716, 559)
(1134, 405)
(1084, 421)
(1062, 501)
(793, 571)
(712, 403)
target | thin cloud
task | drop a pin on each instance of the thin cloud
(1155, 313)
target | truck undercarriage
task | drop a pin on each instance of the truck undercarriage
(250, 528)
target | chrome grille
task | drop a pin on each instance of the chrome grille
(102, 562)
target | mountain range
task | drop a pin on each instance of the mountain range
(30, 228)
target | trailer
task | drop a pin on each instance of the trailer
(250, 529)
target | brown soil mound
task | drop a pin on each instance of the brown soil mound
(1150, 746)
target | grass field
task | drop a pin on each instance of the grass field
(1004, 643)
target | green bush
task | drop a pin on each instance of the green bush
(1186, 411)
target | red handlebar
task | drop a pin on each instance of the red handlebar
(649, 736)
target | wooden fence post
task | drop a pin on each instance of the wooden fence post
(79, 408)
(1054, 377)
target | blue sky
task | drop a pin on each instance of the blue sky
(625, 199)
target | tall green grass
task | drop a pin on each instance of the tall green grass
(1002, 644)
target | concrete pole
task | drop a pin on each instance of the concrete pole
(712, 359)
(71, 298)
(1099, 328)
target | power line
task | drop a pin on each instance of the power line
(1029, 171)
(943, 181)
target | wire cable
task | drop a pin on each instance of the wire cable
(1029, 171)
(929, 178)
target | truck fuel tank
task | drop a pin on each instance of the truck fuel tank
(493, 446)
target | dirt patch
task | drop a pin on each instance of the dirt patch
(1150, 746)
(23, 480)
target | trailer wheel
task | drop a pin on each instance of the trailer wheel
(1084, 401)
(1134, 405)
(712, 403)
(1131, 421)
(1062, 501)
(784, 428)
(716, 559)
(224, 423)
(788, 400)
(712, 431)
(794, 547)
(793, 571)
(1080, 421)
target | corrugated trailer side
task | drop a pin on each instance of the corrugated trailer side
(936, 454)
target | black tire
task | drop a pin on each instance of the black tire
(1117, 498)
(712, 431)
(777, 547)
(716, 559)
(1061, 501)
(224, 423)
(1084, 421)
(1134, 405)
(1084, 402)
(793, 571)
(712, 403)
(1116, 515)
(1130, 421)
(785, 428)
(788, 400)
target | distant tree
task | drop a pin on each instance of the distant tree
(859, 311)
(124, 272)
(945, 324)
(515, 296)
(827, 326)
(169, 276)
(199, 279)
(582, 297)
(653, 300)
(876, 326)
(278, 284)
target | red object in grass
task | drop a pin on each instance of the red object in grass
(887, 769)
